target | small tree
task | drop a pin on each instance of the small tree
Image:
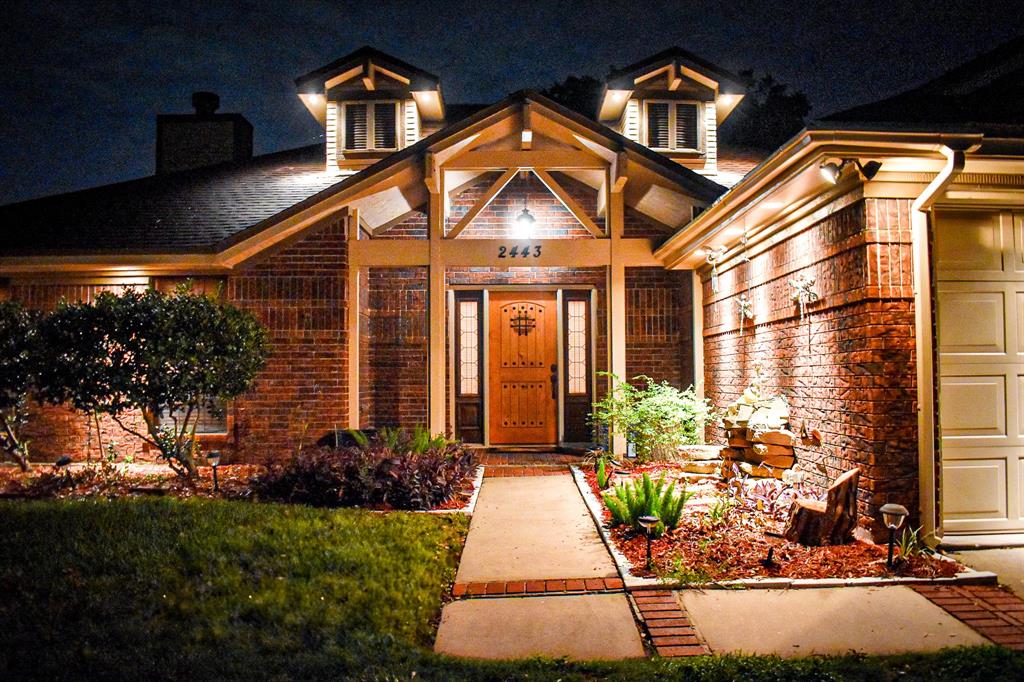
(152, 353)
(17, 344)
(656, 417)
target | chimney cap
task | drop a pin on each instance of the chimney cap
(205, 103)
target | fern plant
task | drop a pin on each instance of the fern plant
(630, 500)
(602, 473)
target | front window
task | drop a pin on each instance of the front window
(370, 126)
(211, 418)
(673, 125)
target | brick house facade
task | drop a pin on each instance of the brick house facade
(401, 283)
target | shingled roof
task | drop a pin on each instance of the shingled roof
(205, 210)
(989, 89)
(189, 211)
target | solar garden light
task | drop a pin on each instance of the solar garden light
(213, 459)
(892, 516)
(648, 523)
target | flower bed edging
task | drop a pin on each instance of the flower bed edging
(625, 567)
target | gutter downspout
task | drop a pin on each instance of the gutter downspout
(923, 335)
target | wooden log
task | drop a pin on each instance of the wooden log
(762, 450)
(773, 437)
(828, 522)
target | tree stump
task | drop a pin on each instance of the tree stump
(814, 522)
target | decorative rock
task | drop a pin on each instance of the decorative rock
(759, 471)
(739, 442)
(778, 461)
(707, 466)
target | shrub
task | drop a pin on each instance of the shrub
(153, 353)
(17, 378)
(657, 418)
(603, 478)
(632, 499)
(406, 475)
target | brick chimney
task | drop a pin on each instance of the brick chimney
(205, 138)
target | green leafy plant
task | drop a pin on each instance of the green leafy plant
(718, 512)
(18, 347)
(657, 417)
(911, 544)
(630, 500)
(148, 353)
(603, 477)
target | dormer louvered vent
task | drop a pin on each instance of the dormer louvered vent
(355, 126)
(657, 125)
(385, 131)
(673, 125)
(687, 136)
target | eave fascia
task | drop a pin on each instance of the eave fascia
(794, 157)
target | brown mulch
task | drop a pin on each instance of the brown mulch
(699, 551)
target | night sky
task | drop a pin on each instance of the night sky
(83, 81)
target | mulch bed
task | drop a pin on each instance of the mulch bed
(79, 481)
(700, 551)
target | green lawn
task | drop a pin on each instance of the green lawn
(169, 589)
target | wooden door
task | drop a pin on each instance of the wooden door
(523, 395)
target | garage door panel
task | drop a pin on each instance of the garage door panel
(973, 406)
(969, 244)
(974, 489)
(972, 323)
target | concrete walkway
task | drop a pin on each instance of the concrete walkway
(1007, 563)
(802, 622)
(536, 528)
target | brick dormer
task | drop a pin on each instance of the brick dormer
(672, 102)
(371, 105)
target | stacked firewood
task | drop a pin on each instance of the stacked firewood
(760, 441)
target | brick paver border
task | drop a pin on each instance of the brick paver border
(992, 611)
(667, 624)
(506, 588)
(503, 471)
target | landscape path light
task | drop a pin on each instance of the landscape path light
(213, 459)
(648, 523)
(893, 516)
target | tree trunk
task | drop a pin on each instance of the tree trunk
(813, 522)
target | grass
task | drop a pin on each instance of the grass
(200, 589)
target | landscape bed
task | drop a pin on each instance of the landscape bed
(733, 541)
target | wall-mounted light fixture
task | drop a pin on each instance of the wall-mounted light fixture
(832, 171)
(525, 222)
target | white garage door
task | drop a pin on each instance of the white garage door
(979, 259)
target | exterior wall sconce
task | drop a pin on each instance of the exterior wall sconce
(524, 224)
(713, 258)
(213, 459)
(648, 523)
(832, 171)
(893, 516)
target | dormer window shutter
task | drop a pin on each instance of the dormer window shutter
(355, 126)
(657, 125)
(686, 127)
(385, 125)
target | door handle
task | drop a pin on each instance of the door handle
(554, 382)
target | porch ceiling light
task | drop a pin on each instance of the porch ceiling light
(524, 222)
(832, 171)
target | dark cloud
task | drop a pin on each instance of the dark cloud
(82, 81)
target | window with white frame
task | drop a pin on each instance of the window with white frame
(672, 125)
(370, 126)
(211, 417)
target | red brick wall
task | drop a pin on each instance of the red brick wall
(659, 325)
(394, 347)
(299, 294)
(847, 368)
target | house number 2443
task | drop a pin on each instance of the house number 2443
(517, 251)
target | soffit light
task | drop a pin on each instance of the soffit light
(832, 171)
